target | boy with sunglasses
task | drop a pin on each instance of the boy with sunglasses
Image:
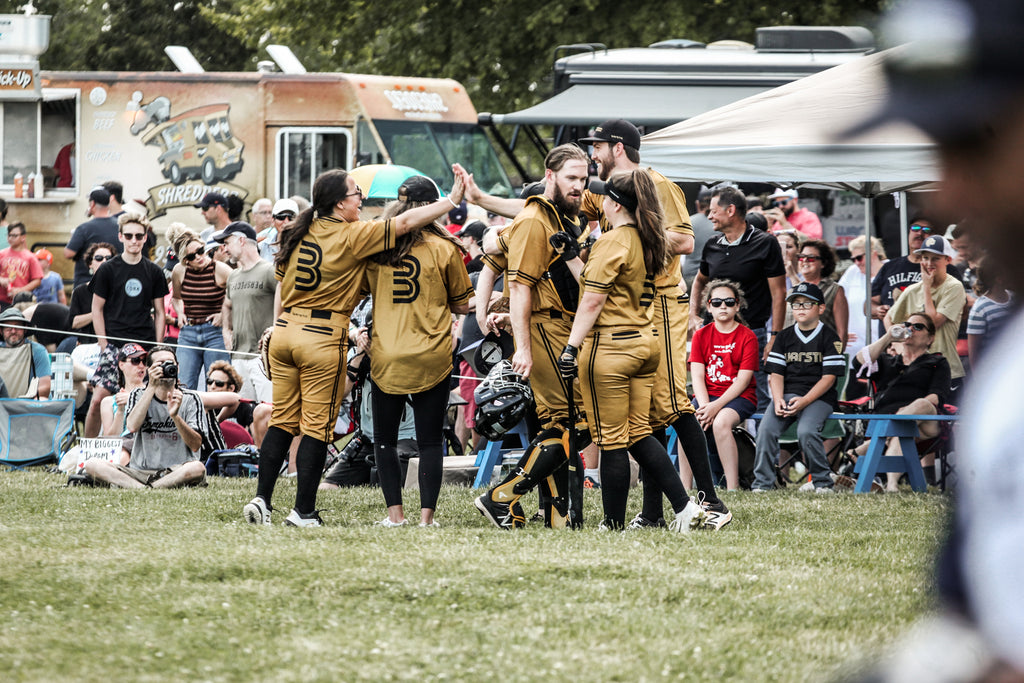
(127, 303)
(804, 364)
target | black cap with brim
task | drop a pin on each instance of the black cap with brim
(603, 187)
(418, 188)
(615, 130)
(807, 291)
(240, 227)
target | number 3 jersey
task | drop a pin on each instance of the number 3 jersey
(325, 270)
(411, 346)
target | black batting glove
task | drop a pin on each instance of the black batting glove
(568, 367)
(564, 245)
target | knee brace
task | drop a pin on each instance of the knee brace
(545, 454)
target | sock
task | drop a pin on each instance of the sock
(695, 447)
(309, 465)
(929, 474)
(653, 460)
(273, 454)
(615, 485)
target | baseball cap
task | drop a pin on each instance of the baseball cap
(100, 196)
(131, 351)
(615, 130)
(44, 255)
(285, 206)
(212, 199)
(240, 227)
(418, 188)
(808, 291)
(783, 194)
(457, 216)
(603, 187)
(960, 65)
(532, 189)
(13, 315)
(474, 229)
(936, 244)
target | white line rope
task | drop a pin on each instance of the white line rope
(72, 333)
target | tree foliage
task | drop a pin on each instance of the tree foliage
(501, 50)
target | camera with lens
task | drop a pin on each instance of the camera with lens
(170, 369)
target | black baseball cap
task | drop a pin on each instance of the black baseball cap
(961, 65)
(457, 216)
(604, 187)
(616, 130)
(808, 291)
(474, 229)
(212, 199)
(418, 188)
(240, 227)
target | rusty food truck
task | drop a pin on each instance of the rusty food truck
(171, 137)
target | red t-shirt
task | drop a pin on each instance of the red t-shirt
(723, 356)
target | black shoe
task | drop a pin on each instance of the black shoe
(501, 515)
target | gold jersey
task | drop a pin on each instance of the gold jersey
(616, 268)
(411, 348)
(677, 219)
(325, 270)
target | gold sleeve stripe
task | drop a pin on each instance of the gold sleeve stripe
(601, 286)
(461, 298)
(517, 276)
(495, 266)
(389, 234)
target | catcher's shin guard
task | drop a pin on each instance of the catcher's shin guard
(555, 505)
(543, 456)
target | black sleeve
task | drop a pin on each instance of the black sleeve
(876, 284)
(941, 379)
(773, 264)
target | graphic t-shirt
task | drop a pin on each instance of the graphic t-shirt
(158, 445)
(129, 291)
(723, 355)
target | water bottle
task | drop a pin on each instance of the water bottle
(30, 186)
(899, 332)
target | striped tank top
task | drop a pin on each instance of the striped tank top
(200, 294)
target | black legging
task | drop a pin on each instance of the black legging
(428, 408)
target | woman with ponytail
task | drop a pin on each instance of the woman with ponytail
(618, 351)
(416, 287)
(320, 267)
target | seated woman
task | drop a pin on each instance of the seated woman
(723, 358)
(132, 373)
(911, 382)
(235, 417)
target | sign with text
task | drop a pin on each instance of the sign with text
(19, 82)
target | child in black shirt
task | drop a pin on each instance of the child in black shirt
(804, 364)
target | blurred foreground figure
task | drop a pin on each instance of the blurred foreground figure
(963, 84)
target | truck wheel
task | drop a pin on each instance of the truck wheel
(176, 176)
(209, 172)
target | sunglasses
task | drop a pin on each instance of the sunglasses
(359, 191)
(915, 326)
(219, 383)
(715, 303)
(99, 258)
(802, 305)
(808, 257)
(138, 360)
(780, 202)
(134, 235)
(284, 216)
(858, 258)
(192, 256)
(922, 228)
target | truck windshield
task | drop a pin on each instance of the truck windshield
(432, 148)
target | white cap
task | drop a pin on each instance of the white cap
(284, 205)
(780, 193)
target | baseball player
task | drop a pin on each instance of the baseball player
(620, 347)
(543, 293)
(616, 146)
(416, 288)
(319, 268)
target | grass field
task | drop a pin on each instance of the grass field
(101, 585)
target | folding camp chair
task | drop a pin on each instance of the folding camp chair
(34, 432)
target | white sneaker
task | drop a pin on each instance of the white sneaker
(295, 519)
(256, 511)
(432, 525)
(824, 489)
(808, 487)
(691, 517)
(388, 524)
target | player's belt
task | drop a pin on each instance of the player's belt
(312, 312)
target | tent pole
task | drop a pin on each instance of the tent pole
(901, 199)
(867, 270)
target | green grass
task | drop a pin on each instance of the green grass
(101, 585)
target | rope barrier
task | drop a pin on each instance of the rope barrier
(126, 340)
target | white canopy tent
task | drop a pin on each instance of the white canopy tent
(790, 136)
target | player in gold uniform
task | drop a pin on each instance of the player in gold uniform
(416, 287)
(320, 267)
(618, 347)
(543, 292)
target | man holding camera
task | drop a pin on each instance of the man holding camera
(166, 422)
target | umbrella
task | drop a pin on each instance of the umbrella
(381, 181)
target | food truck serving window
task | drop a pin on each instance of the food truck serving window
(304, 153)
(432, 148)
(35, 134)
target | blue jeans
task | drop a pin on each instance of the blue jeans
(760, 376)
(191, 361)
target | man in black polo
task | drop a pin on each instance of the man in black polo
(753, 259)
